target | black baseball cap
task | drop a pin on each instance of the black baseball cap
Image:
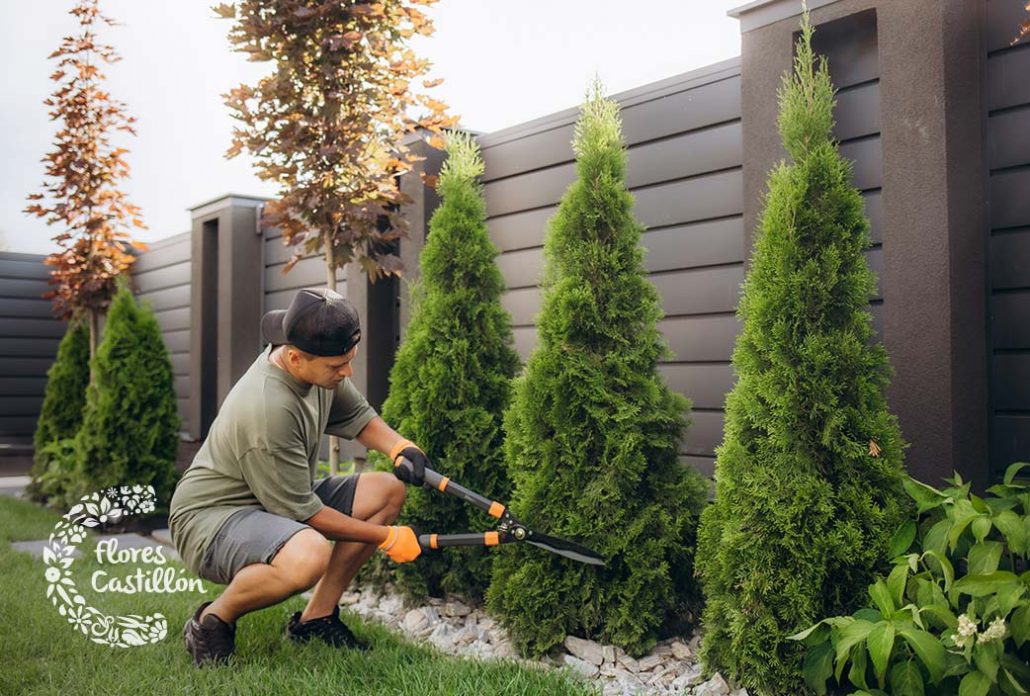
(319, 321)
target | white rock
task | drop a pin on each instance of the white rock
(485, 622)
(628, 662)
(350, 598)
(681, 651)
(740, 692)
(609, 653)
(585, 649)
(455, 608)
(716, 686)
(579, 666)
(504, 649)
(695, 641)
(391, 604)
(646, 664)
(662, 650)
(415, 620)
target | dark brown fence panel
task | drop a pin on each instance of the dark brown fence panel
(29, 336)
(162, 278)
(1008, 152)
(308, 273)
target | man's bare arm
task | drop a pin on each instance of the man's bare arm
(377, 435)
(337, 526)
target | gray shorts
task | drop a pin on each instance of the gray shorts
(255, 536)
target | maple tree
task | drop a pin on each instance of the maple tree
(81, 193)
(1024, 28)
(328, 123)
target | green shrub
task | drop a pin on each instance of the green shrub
(593, 432)
(452, 378)
(130, 428)
(953, 616)
(63, 401)
(808, 476)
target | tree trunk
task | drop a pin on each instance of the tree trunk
(93, 322)
(330, 262)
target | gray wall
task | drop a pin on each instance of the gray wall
(162, 277)
(1008, 147)
(28, 343)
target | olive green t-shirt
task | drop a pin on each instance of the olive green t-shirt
(261, 452)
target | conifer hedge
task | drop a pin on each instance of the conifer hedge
(809, 473)
(63, 401)
(593, 432)
(451, 380)
(130, 427)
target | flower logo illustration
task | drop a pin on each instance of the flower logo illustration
(91, 511)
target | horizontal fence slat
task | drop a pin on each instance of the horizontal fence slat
(1007, 85)
(38, 347)
(164, 255)
(169, 298)
(182, 386)
(177, 341)
(867, 157)
(1008, 138)
(695, 244)
(1010, 198)
(311, 272)
(1010, 320)
(25, 308)
(705, 385)
(17, 426)
(1010, 375)
(25, 366)
(38, 328)
(696, 339)
(1010, 441)
(11, 405)
(702, 465)
(521, 230)
(873, 203)
(173, 319)
(180, 363)
(23, 287)
(1010, 260)
(161, 278)
(704, 433)
(857, 112)
(702, 291)
(1003, 20)
(24, 267)
(702, 198)
(20, 385)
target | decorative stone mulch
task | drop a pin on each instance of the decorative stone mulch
(458, 629)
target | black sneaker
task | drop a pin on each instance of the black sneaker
(211, 640)
(328, 629)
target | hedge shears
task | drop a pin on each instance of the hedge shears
(509, 529)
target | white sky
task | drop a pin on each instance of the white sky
(503, 61)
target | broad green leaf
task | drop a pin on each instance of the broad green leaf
(984, 557)
(850, 635)
(896, 583)
(974, 684)
(1019, 626)
(943, 613)
(1012, 470)
(906, 680)
(982, 585)
(926, 497)
(982, 526)
(929, 650)
(979, 505)
(818, 666)
(1009, 596)
(807, 632)
(868, 614)
(881, 597)
(962, 516)
(902, 539)
(985, 656)
(943, 567)
(859, 662)
(1011, 526)
(1009, 684)
(880, 643)
(1017, 667)
(936, 538)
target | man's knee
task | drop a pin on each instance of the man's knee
(395, 495)
(304, 558)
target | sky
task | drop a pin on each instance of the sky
(503, 62)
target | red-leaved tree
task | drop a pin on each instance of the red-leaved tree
(81, 193)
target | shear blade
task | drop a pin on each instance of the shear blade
(564, 547)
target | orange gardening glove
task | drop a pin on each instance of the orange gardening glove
(401, 545)
(419, 461)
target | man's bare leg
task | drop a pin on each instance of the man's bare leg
(378, 498)
(297, 566)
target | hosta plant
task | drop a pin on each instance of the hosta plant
(953, 616)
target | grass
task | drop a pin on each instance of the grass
(43, 654)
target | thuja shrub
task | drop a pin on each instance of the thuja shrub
(809, 473)
(451, 380)
(130, 428)
(61, 413)
(593, 432)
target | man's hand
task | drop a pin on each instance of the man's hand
(401, 544)
(419, 461)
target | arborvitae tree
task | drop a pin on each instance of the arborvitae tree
(130, 428)
(593, 432)
(63, 401)
(808, 477)
(452, 378)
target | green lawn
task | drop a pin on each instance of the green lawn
(43, 654)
